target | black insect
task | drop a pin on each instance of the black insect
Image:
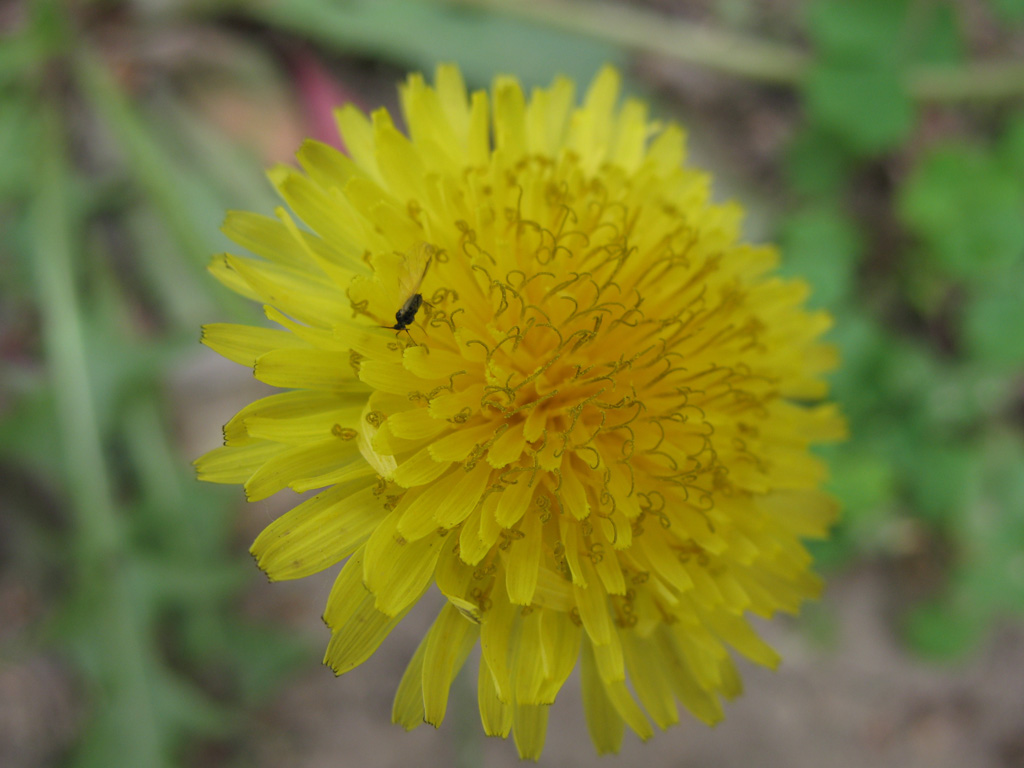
(410, 283)
(405, 315)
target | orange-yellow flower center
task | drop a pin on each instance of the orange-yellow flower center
(571, 367)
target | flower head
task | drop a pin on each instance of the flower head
(525, 359)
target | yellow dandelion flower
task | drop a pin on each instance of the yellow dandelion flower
(528, 361)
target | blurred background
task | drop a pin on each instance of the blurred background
(879, 142)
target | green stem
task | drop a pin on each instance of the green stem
(740, 55)
(157, 175)
(100, 576)
(99, 533)
(656, 33)
(147, 162)
(979, 81)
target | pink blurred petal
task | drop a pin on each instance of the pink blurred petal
(320, 93)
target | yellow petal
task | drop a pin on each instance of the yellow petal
(454, 102)
(663, 560)
(301, 462)
(308, 369)
(463, 497)
(740, 635)
(701, 703)
(312, 300)
(308, 425)
(626, 706)
(318, 533)
(571, 539)
(448, 644)
(416, 424)
(645, 665)
(509, 118)
(283, 407)
(499, 626)
(489, 528)
(432, 363)
(508, 447)
(327, 212)
(444, 504)
(529, 659)
(604, 722)
(479, 129)
(514, 500)
(573, 494)
(347, 471)
(592, 602)
(346, 593)
(454, 578)
(805, 513)
(244, 343)
(548, 116)
(357, 133)
(419, 469)
(355, 642)
(235, 464)
(631, 131)
(397, 159)
(266, 237)
(458, 445)
(590, 134)
(407, 708)
(495, 714)
(399, 571)
(319, 338)
(610, 573)
(471, 547)
(325, 165)
(523, 561)
(357, 627)
(529, 729)
(611, 664)
(560, 647)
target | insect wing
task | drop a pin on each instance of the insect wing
(415, 269)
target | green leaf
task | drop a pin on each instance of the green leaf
(958, 396)
(1009, 10)
(817, 163)
(191, 584)
(418, 35)
(30, 430)
(993, 324)
(941, 478)
(941, 39)
(266, 656)
(19, 128)
(908, 370)
(861, 479)
(866, 30)
(991, 532)
(183, 708)
(822, 246)
(967, 209)
(861, 345)
(1011, 146)
(941, 631)
(865, 105)
(20, 53)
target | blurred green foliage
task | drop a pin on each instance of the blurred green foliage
(911, 234)
(108, 280)
(927, 298)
